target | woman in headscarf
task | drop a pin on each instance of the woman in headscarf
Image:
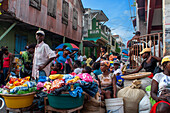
(160, 88)
(107, 81)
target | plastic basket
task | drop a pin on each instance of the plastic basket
(18, 101)
(65, 101)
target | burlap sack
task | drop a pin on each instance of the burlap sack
(91, 105)
(131, 96)
(144, 82)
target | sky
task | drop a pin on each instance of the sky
(118, 12)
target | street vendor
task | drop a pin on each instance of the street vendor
(149, 63)
(62, 56)
(43, 56)
(107, 81)
(160, 88)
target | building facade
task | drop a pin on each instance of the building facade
(95, 31)
(60, 19)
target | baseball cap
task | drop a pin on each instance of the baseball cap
(165, 59)
(40, 32)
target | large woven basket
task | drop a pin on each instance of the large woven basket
(136, 75)
(18, 101)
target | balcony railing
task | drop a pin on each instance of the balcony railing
(97, 33)
(136, 45)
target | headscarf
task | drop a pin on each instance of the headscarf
(106, 62)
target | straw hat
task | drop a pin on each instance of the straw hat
(145, 50)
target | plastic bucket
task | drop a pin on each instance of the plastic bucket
(18, 101)
(1, 103)
(65, 101)
(114, 105)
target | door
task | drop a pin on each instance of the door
(20, 43)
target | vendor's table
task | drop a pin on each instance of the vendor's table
(50, 109)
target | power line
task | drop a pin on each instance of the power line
(130, 12)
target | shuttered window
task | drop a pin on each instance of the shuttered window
(51, 9)
(65, 9)
(36, 4)
(75, 19)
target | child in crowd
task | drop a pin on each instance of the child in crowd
(107, 81)
(57, 69)
(88, 70)
(26, 70)
(117, 71)
(15, 70)
(77, 67)
(96, 69)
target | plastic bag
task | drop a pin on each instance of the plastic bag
(145, 105)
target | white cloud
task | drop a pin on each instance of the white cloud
(126, 12)
(124, 33)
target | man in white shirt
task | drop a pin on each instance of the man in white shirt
(43, 55)
(80, 57)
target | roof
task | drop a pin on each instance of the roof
(81, 5)
(101, 17)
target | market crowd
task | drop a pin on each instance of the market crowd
(39, 60)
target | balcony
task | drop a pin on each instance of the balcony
(97, 33)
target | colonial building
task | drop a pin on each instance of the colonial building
(95, 31)
(60, 19)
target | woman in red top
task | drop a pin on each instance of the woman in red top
(7, 63)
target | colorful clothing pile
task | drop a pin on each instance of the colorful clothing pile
(74, 84)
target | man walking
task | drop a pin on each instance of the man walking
(43, 55)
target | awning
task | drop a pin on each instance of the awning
(87, 43)
(96, 39)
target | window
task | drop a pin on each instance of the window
(65, 12)
(51, 9)
(75, 19)
(113, 42)
(36, 4)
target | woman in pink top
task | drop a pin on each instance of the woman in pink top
(7, 63)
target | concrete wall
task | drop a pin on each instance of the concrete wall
(9, 39)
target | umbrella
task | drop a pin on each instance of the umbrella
(71, 45)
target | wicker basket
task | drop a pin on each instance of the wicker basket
(18, 101)
(136, 75)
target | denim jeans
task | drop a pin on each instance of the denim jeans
(5, 71)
